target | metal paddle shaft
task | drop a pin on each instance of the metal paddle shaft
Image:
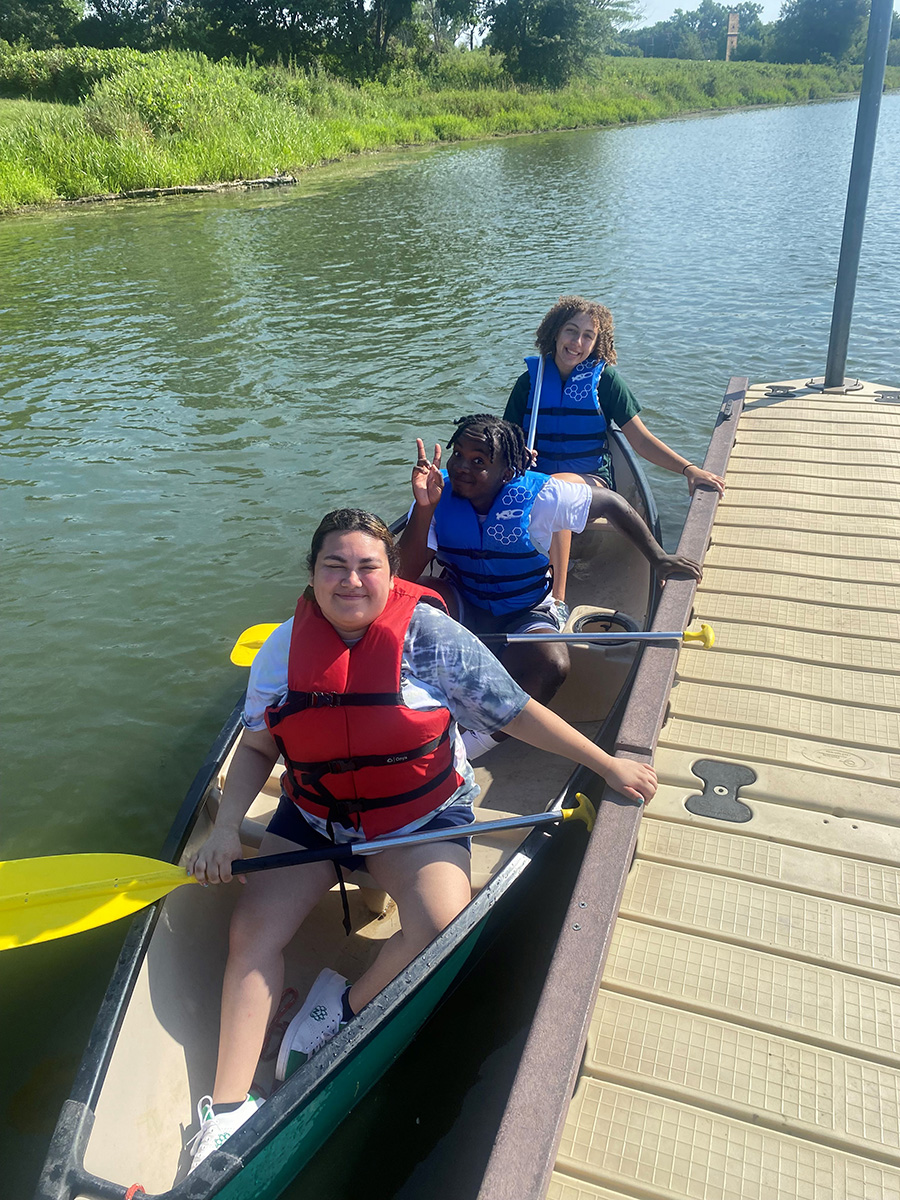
(248, 644)
(532, 428)
(704, 636)
(347, 850)
(52, 897)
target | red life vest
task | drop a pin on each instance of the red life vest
(378, 764)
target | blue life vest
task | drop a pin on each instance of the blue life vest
(494, 563)
(571, 427)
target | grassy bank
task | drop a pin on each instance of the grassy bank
(118, 121)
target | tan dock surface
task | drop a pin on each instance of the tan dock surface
(746, 1040)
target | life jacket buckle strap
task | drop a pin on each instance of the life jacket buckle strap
(339, 766)
(343, 810)
(322, 699)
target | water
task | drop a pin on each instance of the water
(190, 384)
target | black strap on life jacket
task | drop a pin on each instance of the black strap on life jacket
(486, 588)
(340, 766)
(347, 812)
(300, 701)
(345, 904)
(306, 778)
(478, 553)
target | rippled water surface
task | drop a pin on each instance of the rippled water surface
(189, 384)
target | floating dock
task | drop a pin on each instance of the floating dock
(744, 1043)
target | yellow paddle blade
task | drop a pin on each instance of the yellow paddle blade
(247, 646)
(583, 811)
(705, 635)
(44, 898)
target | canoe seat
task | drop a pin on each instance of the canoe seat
(587, 618)
(597, 672)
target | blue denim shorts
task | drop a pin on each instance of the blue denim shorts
(289, 822)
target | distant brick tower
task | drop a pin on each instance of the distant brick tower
(731, 40)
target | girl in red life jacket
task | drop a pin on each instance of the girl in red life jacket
(352, 629)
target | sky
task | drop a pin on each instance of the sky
(661, 10)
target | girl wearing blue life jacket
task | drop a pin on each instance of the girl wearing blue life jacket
(490, 521)
(581, 394)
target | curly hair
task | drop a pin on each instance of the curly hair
(353, 520)
(563, 310)
(501, 436)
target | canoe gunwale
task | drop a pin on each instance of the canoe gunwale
(73, 1129)
(302, 1087)
(64, 1175)
(531, 1128)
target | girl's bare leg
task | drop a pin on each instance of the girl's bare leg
(561, 544)
(270, 910)
(560, 549)
(430, 885)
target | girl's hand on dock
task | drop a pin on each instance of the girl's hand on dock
(696, 475)
(427, 480)
(677, 564)
(637, 780)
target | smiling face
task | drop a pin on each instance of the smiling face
(352, 581)
(474, 475)
(574, 342)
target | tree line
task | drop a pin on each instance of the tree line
(542, 42)
(814, 31)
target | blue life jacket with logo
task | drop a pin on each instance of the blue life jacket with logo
(571, 427)
(494, 563)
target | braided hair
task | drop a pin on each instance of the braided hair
(501, 436)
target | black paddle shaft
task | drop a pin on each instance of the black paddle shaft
(340, 852)
(293, 858)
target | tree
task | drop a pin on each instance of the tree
(446, 19)
(698, 34)
(546, 41)
(40, 23)
(142, 24)
(817, 31)
(262, 29)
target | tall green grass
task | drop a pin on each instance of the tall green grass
(13, 111)
(125, 121)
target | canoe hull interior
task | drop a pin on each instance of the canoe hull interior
(153, 1050)
(262, 1159)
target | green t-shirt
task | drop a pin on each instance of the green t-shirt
(616, 399)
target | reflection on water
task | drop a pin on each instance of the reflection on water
(189, 384)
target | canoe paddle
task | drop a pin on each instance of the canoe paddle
(247, 646)
(52, 897)
(538, 383)
(705, 636)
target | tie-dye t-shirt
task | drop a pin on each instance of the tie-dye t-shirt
(443, 665)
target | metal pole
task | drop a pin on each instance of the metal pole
(858, 189)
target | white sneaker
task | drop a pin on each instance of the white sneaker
(315, 1024)
(477, 744)
(217, 1128)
